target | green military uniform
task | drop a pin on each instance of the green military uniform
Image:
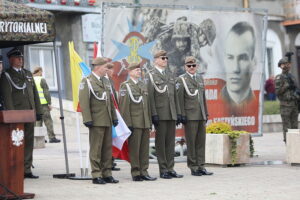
(19, 93)
(45, 100)
(191, 95)
(285, 87)
(135, 110)
(97, 107)
(164, 103)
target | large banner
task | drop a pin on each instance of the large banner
(227, 45)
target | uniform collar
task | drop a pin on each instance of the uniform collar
(134, 81)
(98, 77)
(160, 70)
(191, 75)
(17, 69)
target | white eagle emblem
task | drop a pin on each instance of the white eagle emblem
(17, 137)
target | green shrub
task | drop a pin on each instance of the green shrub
(271, 108)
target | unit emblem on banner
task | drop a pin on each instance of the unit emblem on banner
(17, 137)
(133, 48)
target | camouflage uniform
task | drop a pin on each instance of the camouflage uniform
(176, 57)
(286, 93)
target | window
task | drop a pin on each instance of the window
(44, 57)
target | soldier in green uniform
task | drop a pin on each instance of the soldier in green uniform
(19, 93)
(286, 91)
(191, 95)
(45, 100)
(165, 111)
(98, 115)
(135, 110)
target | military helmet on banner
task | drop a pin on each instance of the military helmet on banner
(181, 30)
(209, 30)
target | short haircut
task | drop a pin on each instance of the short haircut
(241, 28)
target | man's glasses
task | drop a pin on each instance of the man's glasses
(189, 66)
(164, 58)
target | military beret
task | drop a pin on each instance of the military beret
(190, 60)
(133, 66)
(100, 61)
(160, 53)
(14, 52)
(1, 59)
(282, 61)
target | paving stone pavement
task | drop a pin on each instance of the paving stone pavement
(259, 180)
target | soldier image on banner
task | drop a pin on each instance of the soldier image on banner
(288, 95)
(19, 93)
(45, 99)
(98, 115)
(191, 95)
(182, 39)
(135, 110)
(165, 113)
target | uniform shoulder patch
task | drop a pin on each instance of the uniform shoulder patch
(81, 85)
(177, 85)
(122, 93)
(123, 89)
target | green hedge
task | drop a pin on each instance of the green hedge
(271, 107)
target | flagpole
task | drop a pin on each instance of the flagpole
(87, 159)
(83, 172)
(67, 175)
(79, 142)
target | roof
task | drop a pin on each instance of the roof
(21, 25)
